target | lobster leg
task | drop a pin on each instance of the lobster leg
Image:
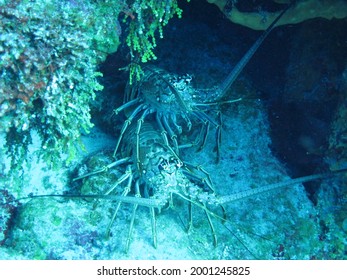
(137, 194)
(153, 220)
(207, 120)
(219, 135)
(207, 212)
(174, 121)
(190, 215)
(187, 120)
(154, 226)
(172, 135)
(138, 129)
(164, 135)
(126, 105)
(125, 193)
(126, 124)
(163, 132)
(205, 130)
(126, 175)
(211, 226)
(206, 180)
(104, 169)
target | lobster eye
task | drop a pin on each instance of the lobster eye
(173, 161)
(176, 162)
(163, 164)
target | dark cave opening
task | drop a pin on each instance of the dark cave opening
(303, 105)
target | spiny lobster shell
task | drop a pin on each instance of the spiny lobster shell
(164, 91)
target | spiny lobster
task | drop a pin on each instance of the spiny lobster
(172, 99)
(153, 175)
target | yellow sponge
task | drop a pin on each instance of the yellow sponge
(303, 10)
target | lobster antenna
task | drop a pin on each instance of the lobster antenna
(226, 84)
(251, 192)
(222, 200)
(125, 199)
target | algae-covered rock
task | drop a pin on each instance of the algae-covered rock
(52, 229)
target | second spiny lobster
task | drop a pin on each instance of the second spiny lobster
(154, 176)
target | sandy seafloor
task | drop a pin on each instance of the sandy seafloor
(282, 224)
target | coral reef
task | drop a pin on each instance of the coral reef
(302, 10)
(49, 52)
